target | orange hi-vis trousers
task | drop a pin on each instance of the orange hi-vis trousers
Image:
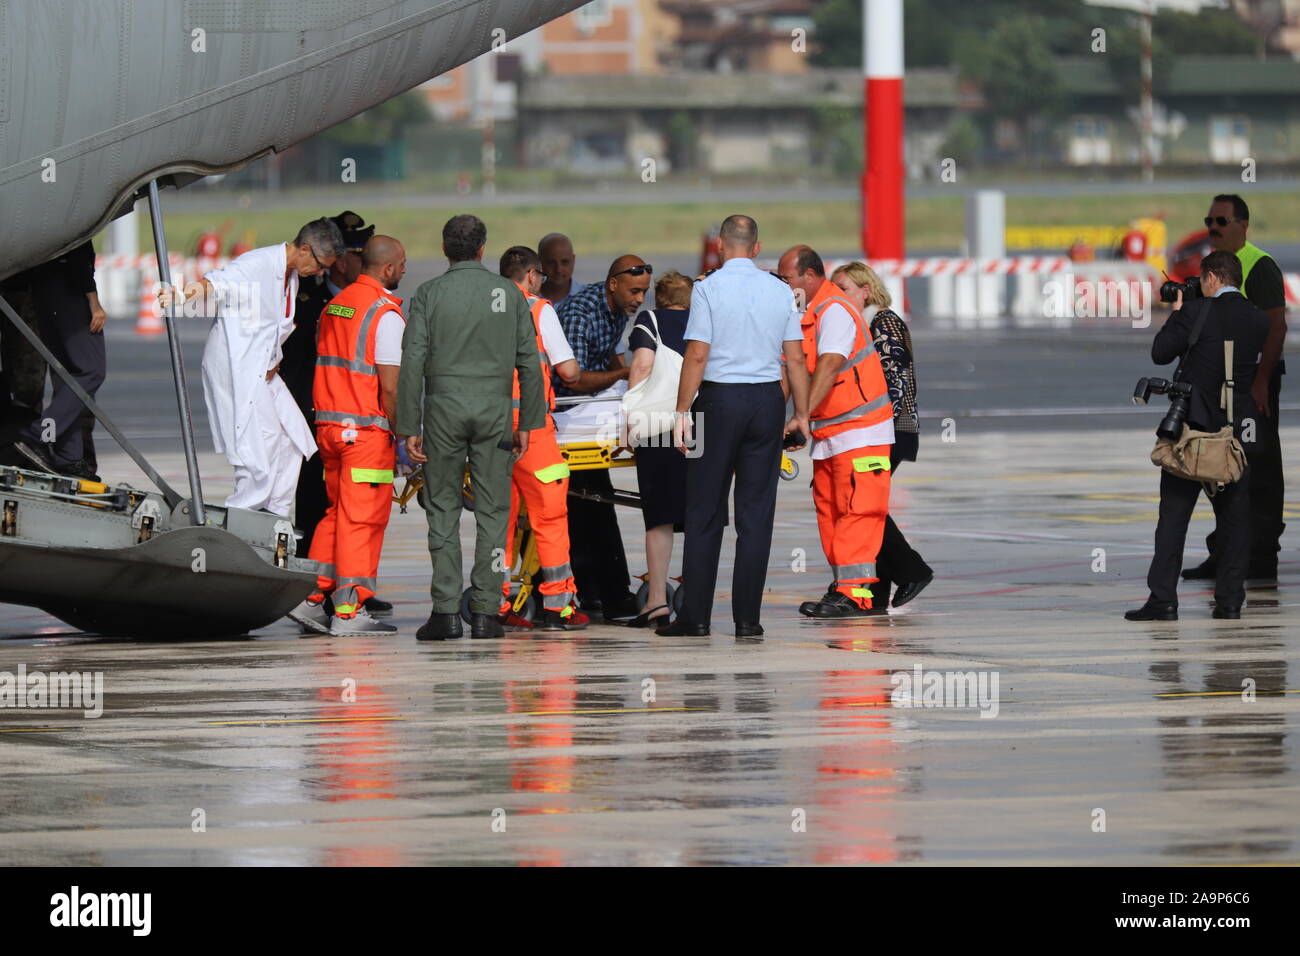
(541, 479)
(348, 540)
(851, 492)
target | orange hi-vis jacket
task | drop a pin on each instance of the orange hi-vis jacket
(859, 396)
(346, 388)
(535, 305)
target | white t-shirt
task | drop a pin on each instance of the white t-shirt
(388, 338)
(836, 334)
(553, 340)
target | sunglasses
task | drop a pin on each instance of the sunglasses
(1220, 221)
(636, 271)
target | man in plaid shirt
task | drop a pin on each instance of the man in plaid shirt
(594, 318)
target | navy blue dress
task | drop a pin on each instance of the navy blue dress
(661, 470)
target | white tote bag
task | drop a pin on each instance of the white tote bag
(648, 406)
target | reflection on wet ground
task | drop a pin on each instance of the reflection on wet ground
(1107, 742)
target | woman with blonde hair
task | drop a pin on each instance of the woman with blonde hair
(898, 562)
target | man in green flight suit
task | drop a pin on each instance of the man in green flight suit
(467, 333)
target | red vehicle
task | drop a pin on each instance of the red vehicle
(1186, 255)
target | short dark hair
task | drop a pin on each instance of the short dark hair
(738, 231)
(1225, 265)
(808, 259)
(323, 236)
(1239, 208)
(463, 236)
(517, 260)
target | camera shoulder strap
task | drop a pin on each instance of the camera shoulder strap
(1197, 326)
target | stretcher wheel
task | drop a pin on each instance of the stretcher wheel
(793, 471)
(674, 597)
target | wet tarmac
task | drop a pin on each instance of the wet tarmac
(1096, 740)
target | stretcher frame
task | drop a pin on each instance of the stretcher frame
(580, 456)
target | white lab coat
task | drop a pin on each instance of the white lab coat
(243, 344)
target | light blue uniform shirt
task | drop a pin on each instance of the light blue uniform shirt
(744, 314)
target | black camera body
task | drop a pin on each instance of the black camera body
(1180, 395)
(1191, 289)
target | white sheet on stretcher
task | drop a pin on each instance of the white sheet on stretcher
(600, 421)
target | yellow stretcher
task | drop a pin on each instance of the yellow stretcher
(584, 454)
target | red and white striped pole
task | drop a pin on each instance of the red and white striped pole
(882, 180)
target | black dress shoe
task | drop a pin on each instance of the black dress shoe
(80, 469)
(680, 628)
(910, 590)
(377, 607)
(1207, 570)
(1223, 612)
(659, 620)
(839, 605)
(485, 625)
(36, 457)
(749, 630)
(806, 608)
(1153, 611)
(441, 627)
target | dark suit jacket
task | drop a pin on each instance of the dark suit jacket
(1231, 317)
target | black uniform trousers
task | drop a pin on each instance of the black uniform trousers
(897, 561)
(596, 545)
(738, 433)
(310, 500)
(1266, 490)
(65, 329)
(1232, 528)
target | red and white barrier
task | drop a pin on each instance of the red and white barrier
(124, 282)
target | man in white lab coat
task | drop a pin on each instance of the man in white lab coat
(255, 422)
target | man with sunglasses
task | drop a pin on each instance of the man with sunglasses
(1227, 222)
(594, 319)
(255, 422)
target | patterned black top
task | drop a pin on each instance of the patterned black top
(893, 343)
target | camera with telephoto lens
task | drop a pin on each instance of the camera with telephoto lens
(1180, 393)
(1191, 289)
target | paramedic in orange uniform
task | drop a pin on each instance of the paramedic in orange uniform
(358, 357)
(541, 476)
(852, 428)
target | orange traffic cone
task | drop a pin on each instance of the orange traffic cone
(149, 322)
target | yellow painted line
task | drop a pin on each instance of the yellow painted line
(916, 706)
(1229, 693)
(37, 730)
(301, 720)
(616, 710)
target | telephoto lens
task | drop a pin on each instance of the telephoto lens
(1171, 426)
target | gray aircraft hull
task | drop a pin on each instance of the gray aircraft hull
(116, 561)
(97, 98)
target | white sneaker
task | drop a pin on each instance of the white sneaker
(313, 617)
(359, 626)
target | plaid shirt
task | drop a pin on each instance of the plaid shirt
(593, 330)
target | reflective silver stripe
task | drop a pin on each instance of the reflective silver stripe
(863, 328)
(546, 359)
(854, 572)
(564, 597)
(360, 421)
(325, 570)
(357, 582)
(560, 572)
(333, 361)
(358, 364)
(364, 334)
(851, 414)
(514, 403)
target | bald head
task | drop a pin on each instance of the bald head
(626, 292)
(801, 268)
(556, 252)
(384, 259)
(739, 232)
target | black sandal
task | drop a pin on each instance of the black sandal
(644, 619)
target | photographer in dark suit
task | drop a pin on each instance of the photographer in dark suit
(1228, 316)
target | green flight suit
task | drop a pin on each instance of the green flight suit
(467, 333)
